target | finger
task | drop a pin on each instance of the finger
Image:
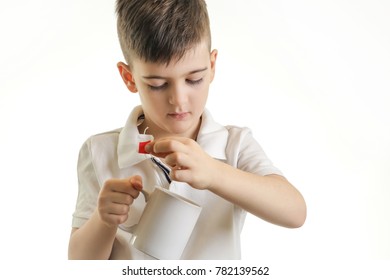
(181, 175)
(136, 182)
(123, 186)
(114, 209)
(114, 203)
(122, 198)
(177, 161)
(117, 185)
(165, 146)
(118, 209)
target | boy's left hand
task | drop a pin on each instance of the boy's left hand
(188, 162)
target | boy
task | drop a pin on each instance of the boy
(167, 47)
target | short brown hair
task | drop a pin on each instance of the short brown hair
(159, 30)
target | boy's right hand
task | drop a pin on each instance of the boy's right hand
(115, 199)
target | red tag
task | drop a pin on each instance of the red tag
(141, 147)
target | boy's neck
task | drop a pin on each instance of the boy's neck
(144, 128)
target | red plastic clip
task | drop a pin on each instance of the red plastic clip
(144, 139)
(141, 147)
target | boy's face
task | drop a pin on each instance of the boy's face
(173, 96)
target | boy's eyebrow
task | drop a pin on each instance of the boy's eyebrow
(161, 77)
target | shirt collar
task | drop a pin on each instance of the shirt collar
(212, 137)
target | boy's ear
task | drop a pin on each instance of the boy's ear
(213, 61)
(127, 76)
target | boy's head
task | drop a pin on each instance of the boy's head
(161, 30)
(167, 46)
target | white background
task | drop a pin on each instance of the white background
(310, 78)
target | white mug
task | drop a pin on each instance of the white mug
(165, 225)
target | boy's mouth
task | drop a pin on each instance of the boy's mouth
(179, 116)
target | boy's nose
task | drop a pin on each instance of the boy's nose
(177, 96)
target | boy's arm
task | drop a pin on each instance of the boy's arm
(269, 197)
(92, 241)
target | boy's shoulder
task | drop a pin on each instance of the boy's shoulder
(238, 131)
(108, 133)
(104, 137)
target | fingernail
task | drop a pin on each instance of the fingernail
(137, 185)
(148, 147)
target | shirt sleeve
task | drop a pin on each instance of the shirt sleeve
(246, 153)
(88, 187)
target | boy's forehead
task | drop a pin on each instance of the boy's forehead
(194, 58)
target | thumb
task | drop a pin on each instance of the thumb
(136, 182)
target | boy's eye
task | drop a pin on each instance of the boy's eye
(195, 82)
(160, 87)
(165, 85)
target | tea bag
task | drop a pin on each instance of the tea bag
(143, 140)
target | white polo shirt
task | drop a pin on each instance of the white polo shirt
(114, 155)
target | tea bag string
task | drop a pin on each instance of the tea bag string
(162, 167)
